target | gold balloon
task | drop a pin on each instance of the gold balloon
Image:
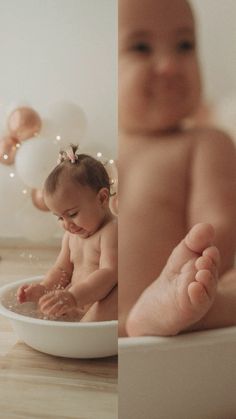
(8, 148)
(37, 199)
(24, 123)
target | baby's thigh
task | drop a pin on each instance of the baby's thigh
(106, 309)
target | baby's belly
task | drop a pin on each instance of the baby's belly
(81, 273)
(145, 243)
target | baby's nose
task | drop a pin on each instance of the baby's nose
(165, 64)
(67, 225)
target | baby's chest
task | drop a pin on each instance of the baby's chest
(84, 252)
(159, 179)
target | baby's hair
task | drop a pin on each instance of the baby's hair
(81, 168)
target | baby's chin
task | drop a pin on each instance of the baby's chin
(155, 123)
(84, 234)
(149, 130)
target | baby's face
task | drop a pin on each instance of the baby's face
(159, 80)
(79, 209)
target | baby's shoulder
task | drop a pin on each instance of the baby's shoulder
(111, 226)
(110, 230)
(213, 138)
(214, 145)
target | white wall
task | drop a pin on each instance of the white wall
(217, 43)
(50, 51)
(55, 50)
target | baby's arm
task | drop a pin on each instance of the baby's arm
(58, 277)
(100, 282)
(213, 190)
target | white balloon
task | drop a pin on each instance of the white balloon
(66, 123)
(35, 225)
(35, 159)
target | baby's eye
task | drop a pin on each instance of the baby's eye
(141, 48)
(73, 215)
(185, 46)
(59, 218)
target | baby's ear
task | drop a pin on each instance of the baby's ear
(103, 196)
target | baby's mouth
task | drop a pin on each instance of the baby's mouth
(79, 230)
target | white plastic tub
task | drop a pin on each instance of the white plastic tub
(191, 376)
(66, 339)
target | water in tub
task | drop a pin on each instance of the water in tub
(28, 309)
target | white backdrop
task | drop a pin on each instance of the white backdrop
(217, 42)
(53, 50)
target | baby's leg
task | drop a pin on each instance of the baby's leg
(185, 290)
(103, 310)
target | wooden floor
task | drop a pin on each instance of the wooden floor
(36, 385)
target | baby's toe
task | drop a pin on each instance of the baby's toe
(207, 280)
(209, 261)
(203, 262)
(198, 295)
(213, 253)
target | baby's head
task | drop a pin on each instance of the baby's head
(77, 191)
(159, 78)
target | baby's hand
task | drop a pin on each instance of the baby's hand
(57, 303)
(30, 292)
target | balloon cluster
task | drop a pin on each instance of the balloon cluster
(35, 157)
(28, 152)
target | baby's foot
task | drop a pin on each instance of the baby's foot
(184, 291)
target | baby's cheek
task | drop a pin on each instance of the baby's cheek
(78, 221)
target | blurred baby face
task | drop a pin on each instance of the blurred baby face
(159, 81)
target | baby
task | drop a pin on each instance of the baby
(177, 185)
(83, 281)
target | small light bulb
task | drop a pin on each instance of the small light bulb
(111, 161)
(99, 154)
(12, 174)
(58, 138)
(24, 191)
(5, 156)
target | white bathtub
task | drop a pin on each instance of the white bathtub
(191, 376)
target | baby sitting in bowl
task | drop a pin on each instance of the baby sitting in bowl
(83, 281)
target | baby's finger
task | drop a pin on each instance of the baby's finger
(20, 295)
(22, 288)
(62, 310)
(46, 296)
(57, 309)
(46, 304)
